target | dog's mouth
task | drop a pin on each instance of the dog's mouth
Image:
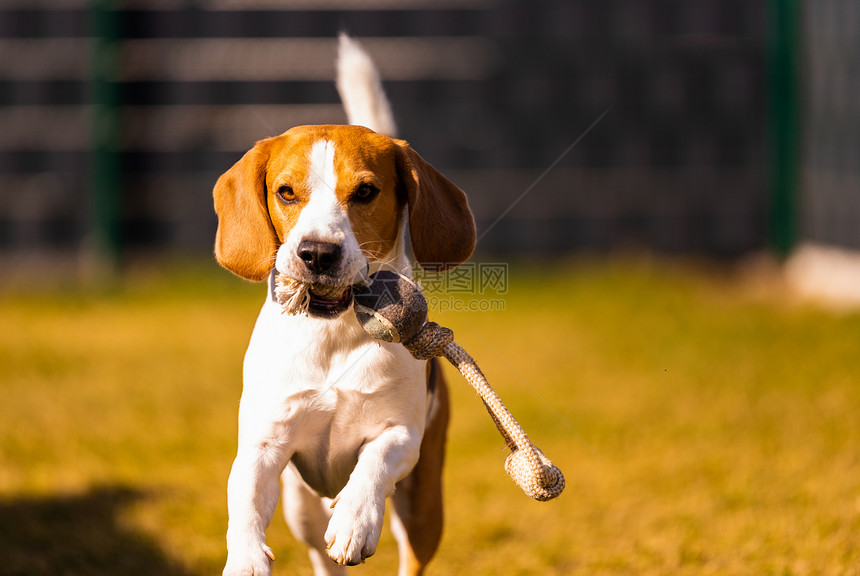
(328, 302)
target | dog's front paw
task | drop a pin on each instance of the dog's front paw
(256, 560)
(354, 529)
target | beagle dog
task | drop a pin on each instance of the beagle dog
(333, 420)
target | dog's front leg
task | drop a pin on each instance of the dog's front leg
(355, 526)
(252, 495)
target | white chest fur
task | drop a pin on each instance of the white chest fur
(316, 390)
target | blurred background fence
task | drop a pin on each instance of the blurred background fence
(116, 118)
(830, 192)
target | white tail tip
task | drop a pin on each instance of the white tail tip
(360, 89)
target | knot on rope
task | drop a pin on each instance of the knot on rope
(533, 472)
(392, 308)
(430, 341)
(540, 480)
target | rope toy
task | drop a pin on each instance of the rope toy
(295, 296)
(392, 308)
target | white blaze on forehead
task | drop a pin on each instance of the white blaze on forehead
(322, 176)
(323, 218)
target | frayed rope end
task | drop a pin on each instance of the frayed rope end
(294, 296)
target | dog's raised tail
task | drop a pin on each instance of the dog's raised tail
(360, 89)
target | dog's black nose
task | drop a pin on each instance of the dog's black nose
(319, 257)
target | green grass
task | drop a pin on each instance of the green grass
(703, 428)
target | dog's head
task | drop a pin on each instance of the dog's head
(321, 203)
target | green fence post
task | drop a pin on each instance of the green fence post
(106, 167)
(784, 123)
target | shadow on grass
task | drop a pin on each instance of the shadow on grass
(78, 535)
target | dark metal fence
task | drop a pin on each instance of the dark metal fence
(493, 93)
(830, 199)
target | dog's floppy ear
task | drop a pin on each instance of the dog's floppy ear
(441, 225)
(245, 243)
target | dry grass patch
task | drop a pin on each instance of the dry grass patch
(701, 431)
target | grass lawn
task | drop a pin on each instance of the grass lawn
(703, 428)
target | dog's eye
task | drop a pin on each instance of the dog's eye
(286, 195)
(365, 193)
